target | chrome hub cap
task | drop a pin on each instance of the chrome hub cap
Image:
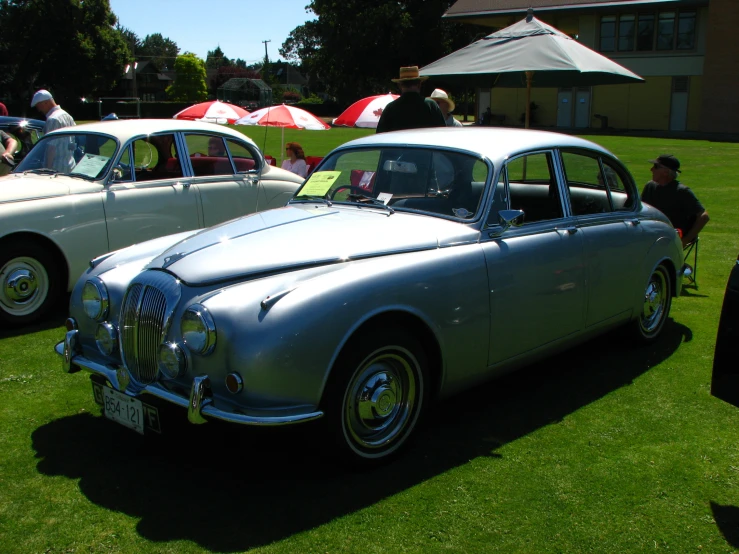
(25, 285)
(381, 398)
(654, 302)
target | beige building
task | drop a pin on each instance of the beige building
(686, 50)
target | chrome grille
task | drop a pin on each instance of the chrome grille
(144, 322)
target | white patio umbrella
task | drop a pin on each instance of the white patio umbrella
(365, 112)
(214, 111)
(529, 53)
(284, 116)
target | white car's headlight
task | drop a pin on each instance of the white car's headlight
(95, 299)
(198, 330)
(172, 360)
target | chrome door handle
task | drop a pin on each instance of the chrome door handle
(185, 185)
(569, 230)
(633, 222)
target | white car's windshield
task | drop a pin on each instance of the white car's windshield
(83, 155)
(434, 181)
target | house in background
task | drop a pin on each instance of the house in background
(684, 49)
(145, 81)
(248, 93)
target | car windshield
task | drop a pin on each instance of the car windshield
(83, 155)
(434, 181)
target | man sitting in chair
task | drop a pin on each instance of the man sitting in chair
(674, 199)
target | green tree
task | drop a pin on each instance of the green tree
(356, 47)
(73, 50)
(159, 50)
(216, 58)
(189, 83)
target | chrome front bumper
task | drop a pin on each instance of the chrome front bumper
(200, 405)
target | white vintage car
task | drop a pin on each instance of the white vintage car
(90, 189)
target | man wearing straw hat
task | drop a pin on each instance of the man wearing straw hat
(411, 110)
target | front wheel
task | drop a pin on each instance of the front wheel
(376, 395)
(655, 307)
(28, 284)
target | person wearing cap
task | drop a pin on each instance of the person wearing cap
(3, 109)
(674, 199)
(446, 105)
(410, 110)
(56, 117)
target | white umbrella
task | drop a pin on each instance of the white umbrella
(214, 111)
(530, 50)
(284, 116)
(365, 112)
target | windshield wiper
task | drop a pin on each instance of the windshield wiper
(366, 199)
(85, 177)
(314, 198)
(42, 171)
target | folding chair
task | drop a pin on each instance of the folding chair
(690, 272)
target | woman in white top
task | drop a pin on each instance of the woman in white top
(296, 160)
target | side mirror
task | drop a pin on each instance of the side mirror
(507, 219)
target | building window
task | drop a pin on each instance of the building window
(646, 32)
(686, 31)
(626, 32)
(666, 31)
(608, 33)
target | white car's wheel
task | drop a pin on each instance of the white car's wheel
(28, 284)
(376, 395)
(656, 305)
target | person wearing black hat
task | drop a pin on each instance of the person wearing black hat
(674, 199)
(410, 110)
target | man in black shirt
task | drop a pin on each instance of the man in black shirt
(410, 110)
(674, 199)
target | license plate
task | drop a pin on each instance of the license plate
(123, 409)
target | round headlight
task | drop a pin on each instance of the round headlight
(172, 360)
(106, 338)
(198, 329)
(95, 299)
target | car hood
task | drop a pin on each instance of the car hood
(17, 187)
(301, 236)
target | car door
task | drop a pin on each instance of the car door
(535, 271)
(148, 195)
(226, 174)
(602, 197)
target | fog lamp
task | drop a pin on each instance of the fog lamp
(106, 338)
(172, 360)
(234, 383)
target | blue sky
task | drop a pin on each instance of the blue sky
(237, 26)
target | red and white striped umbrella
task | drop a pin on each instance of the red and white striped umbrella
(365, 112)
(284, 116)
(214, 112)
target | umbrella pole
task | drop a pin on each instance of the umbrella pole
(282, 145)
(529, 74)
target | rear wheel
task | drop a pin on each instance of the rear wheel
(376, 395)
(656, 306)
(29, 284)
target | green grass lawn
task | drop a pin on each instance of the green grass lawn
(605, 448)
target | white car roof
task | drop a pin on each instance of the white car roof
(124, 129)
(495, 143)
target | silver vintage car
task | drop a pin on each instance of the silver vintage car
(410, 266)
(86, 190)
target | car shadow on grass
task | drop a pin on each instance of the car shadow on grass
(727, 520)
(55, 318)
(230, 488)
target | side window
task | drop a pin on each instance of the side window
(123, 171)
(500, 199)
(532, 187)
(622, 196)
(155, 157)
(208, 155)
(586, 184)
(242, 157)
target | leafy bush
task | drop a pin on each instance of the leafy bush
(312, 99)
